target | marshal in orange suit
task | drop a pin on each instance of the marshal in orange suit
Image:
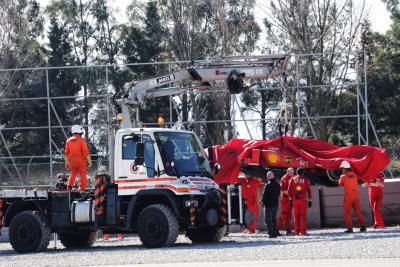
(250, 187)
(76, 155)
(351, 199)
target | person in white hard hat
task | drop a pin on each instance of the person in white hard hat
(76, 156)
(351, 197)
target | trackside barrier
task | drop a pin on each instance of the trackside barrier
(327, 207)
(1, 212)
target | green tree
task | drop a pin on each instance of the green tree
(147, 44)
(62, 82)
(20, 26)
(79, 21)
(383, 59)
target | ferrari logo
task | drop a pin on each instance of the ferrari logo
(298, 188)
(273, 158)
(288, 160)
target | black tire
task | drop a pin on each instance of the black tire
(78, 239)
(157, 226)
(29, 232)
(206, 235)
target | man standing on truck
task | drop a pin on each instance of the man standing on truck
(286, 209)
(270, 199)
(76, 155)
(351, 197)
(375, 193)
(299, 190)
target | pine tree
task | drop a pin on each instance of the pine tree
(62, 82)
(147, 44)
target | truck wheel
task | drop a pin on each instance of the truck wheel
(79, 239)
(29, 232)
(206, 235)
(157, 226)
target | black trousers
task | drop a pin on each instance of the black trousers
(270, 220)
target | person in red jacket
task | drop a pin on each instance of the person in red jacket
(351, 197)
(299, 190)
(286, 209)
(250, 187)
(76, 155)
(375, 193)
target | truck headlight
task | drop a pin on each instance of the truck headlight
(191, 203)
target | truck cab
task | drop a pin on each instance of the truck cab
(147, 158)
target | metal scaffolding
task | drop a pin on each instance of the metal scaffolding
(55, 151)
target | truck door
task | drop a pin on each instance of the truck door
(149, 155)
(126, 168)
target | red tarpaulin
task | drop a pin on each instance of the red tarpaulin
(366, 161)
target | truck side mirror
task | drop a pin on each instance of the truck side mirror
(217, 168)
(139, 157)
(135, 137)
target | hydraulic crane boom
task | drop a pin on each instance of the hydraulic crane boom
(233, 70)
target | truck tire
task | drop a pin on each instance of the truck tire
(206, 235)
(79, 239)
(29, 232)
(157, 226)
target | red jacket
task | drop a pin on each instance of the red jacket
(376, 189)
(285, 185)
(299, 190)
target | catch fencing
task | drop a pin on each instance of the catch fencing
(31, 150)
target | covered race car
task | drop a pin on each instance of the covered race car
(320, 159)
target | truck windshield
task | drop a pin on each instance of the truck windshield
(182, 154)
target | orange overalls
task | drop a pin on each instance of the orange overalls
(376, 198)
(286, 209)
(351, 198)
(298, 192)
(76, 150)
(250, 194)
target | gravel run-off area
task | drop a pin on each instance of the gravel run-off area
(321, 244)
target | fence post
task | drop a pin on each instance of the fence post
(298, 93)
(49, 124)
(366, 99)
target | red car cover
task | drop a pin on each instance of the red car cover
(366, 161)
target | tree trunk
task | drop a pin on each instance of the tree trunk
(214, 112)
(263, 114)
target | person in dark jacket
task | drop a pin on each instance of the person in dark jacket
(270, 201)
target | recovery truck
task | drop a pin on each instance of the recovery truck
(159, 183)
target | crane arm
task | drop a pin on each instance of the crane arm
(232, 70)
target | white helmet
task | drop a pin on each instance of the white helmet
(345, 165)
(77, 129)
